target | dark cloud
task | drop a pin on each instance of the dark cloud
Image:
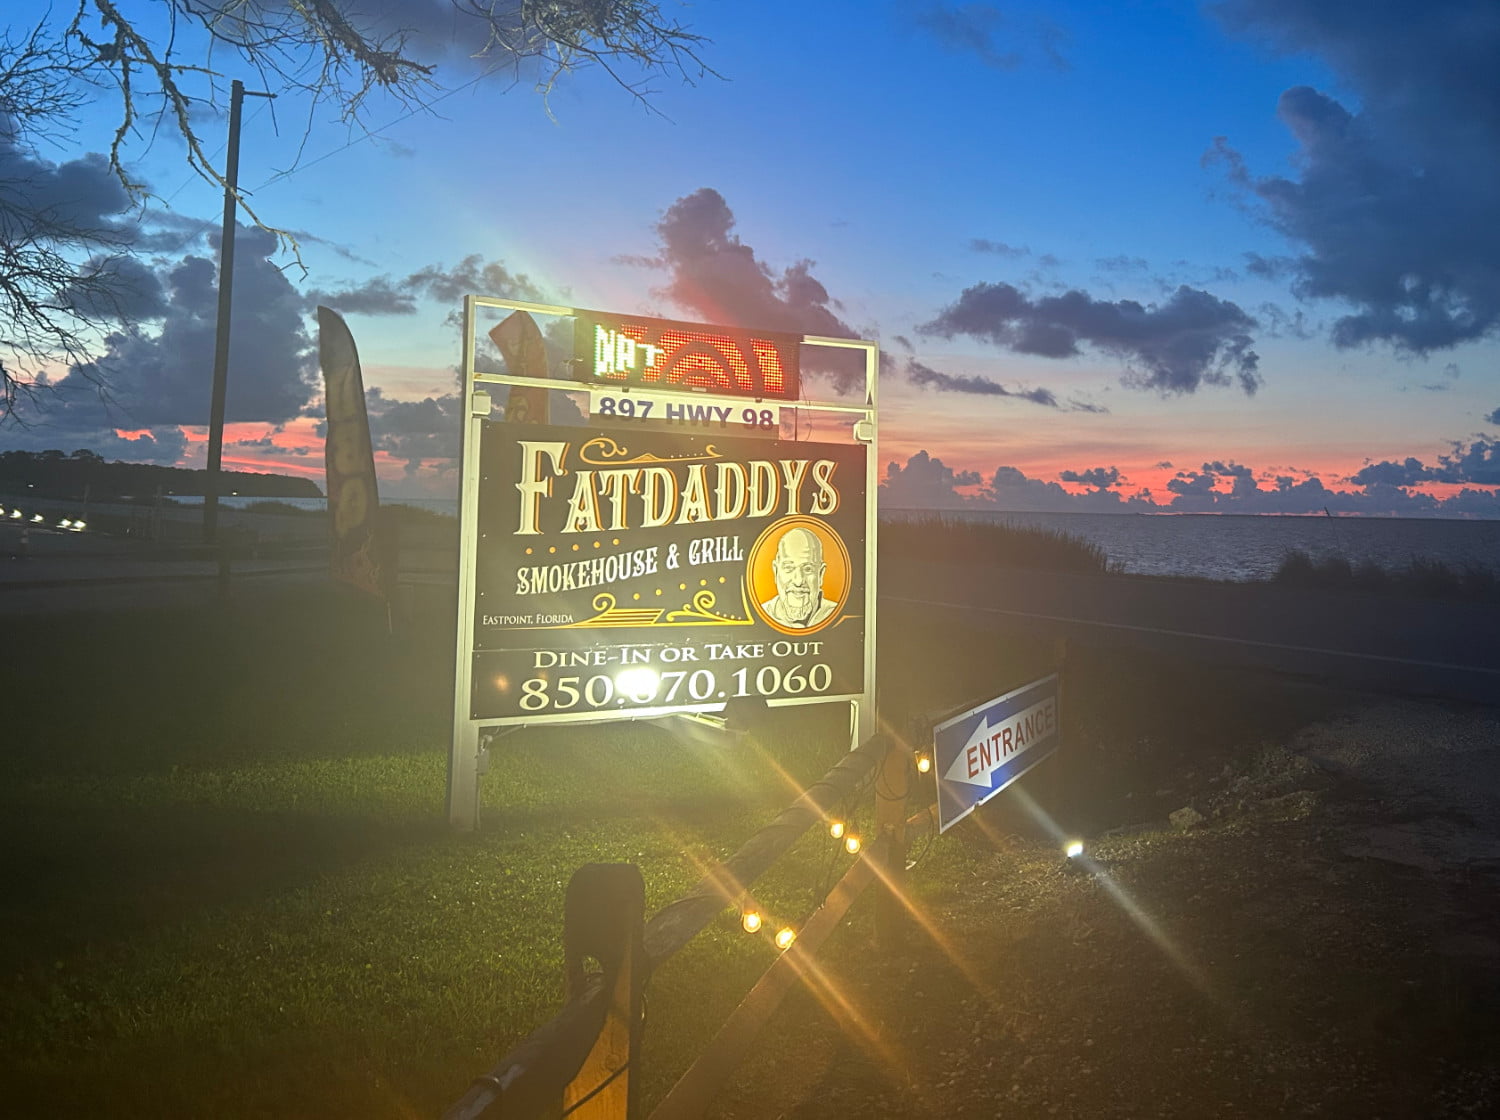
(716, 276)
(1192, 339)
(384, 295)
(1393, 203)
(474, 276)
(414, 431)
(1476, 463)
(1267, 268)
(1100, 478)
(1388, 473)
(84, 427)
(1276, 322)
(380, 296)
(117, 287)
(999, 248)
(161, 377)
(166, 231)
(267, 445)
(926, 482)
(929, 483)
(905, 343)
(1380, 492)
(925, 376)
(1493, 418)
(988, 33)
(80, 194)
(1077, 405)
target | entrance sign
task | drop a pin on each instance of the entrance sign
(670, 551)
(979, 753)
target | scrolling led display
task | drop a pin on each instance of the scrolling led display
(624, 352)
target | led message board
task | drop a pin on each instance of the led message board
(621, 351)
(622, 570)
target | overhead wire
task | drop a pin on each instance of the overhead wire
(366, 135)
(369, 134)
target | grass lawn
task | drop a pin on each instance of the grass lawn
(230, 890)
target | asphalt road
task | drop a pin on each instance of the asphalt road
(1397, 645)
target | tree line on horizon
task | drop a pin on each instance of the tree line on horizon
(53, 474)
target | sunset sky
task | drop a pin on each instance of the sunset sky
(1118, 255)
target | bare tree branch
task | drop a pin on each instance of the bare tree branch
(60, 293)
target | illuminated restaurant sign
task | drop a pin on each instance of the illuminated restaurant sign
(618, 572)
(622, 351)
(665, 550)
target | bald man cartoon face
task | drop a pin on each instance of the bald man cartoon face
(798, 570)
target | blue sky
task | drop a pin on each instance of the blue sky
(1239, 257)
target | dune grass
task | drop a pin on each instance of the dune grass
(1421, 577)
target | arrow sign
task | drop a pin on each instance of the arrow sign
(983, 750)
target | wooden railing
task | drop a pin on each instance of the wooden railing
(584, 1062)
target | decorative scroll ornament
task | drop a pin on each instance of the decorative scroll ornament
(700, 612)
(602, 451)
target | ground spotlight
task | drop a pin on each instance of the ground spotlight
(750, 921)
(924, 764)
(1074, 849)
(851, 844)
(836, 829)
(785, 936)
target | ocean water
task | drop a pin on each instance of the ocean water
(1212, 546)
(1251, 548)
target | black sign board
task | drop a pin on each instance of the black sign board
(618, 571)
(618, 351)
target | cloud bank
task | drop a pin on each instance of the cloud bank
(926, 482)
(157, 371)
(1192, 339)
(386, 295)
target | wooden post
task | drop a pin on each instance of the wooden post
(892, 784)
(603, 919)
(705, 1079)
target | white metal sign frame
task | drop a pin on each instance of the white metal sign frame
(464, 764)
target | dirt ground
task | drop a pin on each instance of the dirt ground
(1319, 936)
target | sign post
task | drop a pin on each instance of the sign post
(978, 753)
(671, 554)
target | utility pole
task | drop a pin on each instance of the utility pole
(221, 337)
